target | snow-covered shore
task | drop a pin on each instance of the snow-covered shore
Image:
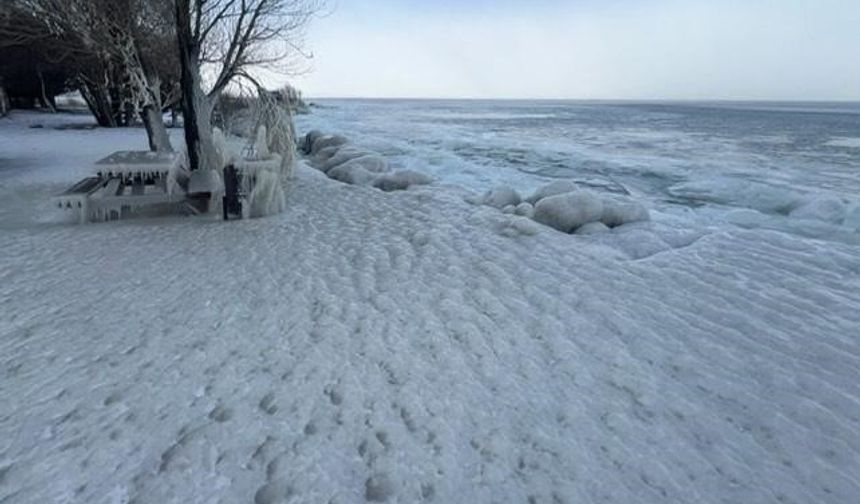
(406, 347)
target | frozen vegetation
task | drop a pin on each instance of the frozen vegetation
(689, 342)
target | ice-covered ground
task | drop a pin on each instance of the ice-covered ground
(408, 347)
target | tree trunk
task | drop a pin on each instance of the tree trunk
(188, 56)
(4, 100)
(159, 140)
(45, 101)
(99, 104)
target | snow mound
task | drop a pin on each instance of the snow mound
(401, 180)
(567, 212)
(826, 209)
(552, 189)
(500, 197)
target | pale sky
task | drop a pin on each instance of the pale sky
(589, 49)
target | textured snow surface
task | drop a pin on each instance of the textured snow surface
(391, 347)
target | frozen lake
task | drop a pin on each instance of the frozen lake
(715, 157)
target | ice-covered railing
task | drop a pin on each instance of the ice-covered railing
(335, 156)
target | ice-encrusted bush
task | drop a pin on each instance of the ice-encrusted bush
(267, 197)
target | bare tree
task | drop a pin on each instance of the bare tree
(107, 41)
(226, 40)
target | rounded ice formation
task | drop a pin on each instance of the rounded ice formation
(592, 228)
(552, 189)
(323, 155)
(500, 197)
(830, 210)
(307, 144)
(401, 180)
(343, 154)
(321, 143)
(525, 209)
(351, 173)
(567, 212)
(618, 211)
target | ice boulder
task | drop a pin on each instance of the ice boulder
(567, 212)
(322, 156)
(557, 187)
(342, 155)
(830, 210)
(592, 228)
(323, 142)
(400, 180)
(618, 210)
(352, 173)
(525, 209)
(500, 197)
(638, 243)
(307, 144)
(515, 226)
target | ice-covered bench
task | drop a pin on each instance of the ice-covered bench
(126, 180)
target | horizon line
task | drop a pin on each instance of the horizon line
(616, 100)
